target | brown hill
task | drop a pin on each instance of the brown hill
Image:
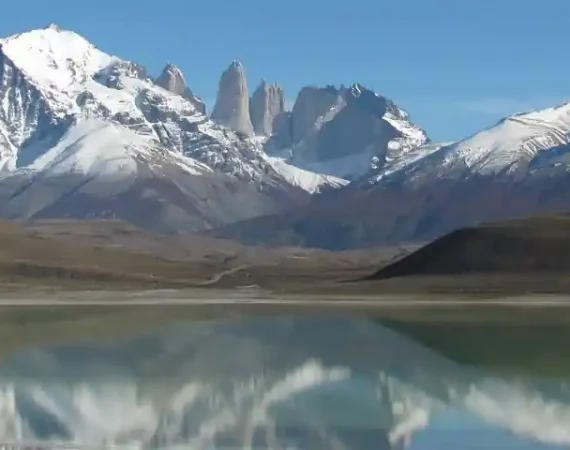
(104, 254)
(537, 246)
(27, 259)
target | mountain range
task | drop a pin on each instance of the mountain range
(85, 134)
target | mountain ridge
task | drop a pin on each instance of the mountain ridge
(49, 115)
(85, 134)
(91, 117)
(518, 167)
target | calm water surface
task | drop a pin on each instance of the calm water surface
(277, 383)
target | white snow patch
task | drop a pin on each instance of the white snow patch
(347, 167)
(510, 146)
(93, 147)
(309, 181)
(189, 165)
(413, 136)
(517, 138)
(56, 60)
(113, 100)
(402, 161)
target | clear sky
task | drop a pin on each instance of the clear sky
(455, 65)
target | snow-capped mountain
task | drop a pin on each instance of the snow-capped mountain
(56, 79)
(271, 383)
(87, 134)
(345, 132)
(516, 168)
(516, 147)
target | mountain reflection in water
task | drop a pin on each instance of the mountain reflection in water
(279, 383)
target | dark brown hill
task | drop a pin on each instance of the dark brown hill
(538, 245)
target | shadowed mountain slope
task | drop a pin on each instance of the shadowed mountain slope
(534, 245)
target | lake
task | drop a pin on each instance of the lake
(167, 378)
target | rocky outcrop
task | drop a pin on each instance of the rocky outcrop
(281, 137)
(266, 105)
(23, 109)
(311, 104)
(331, 124)
(232, 103)
(173, 81)
(358, 127)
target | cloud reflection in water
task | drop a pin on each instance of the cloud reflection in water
(306, 383)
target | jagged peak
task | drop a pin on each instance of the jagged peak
(264, 85)
(358, 90)
(172, 79)
(54, 27)
(232, 102)
(357, 87)
(171, 70)
(170, 67)
(237, 67)
(170, 76)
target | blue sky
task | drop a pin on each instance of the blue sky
(455, 65)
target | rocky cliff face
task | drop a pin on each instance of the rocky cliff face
(357, 126)
(173, 81)
(267, 104)
(312, 103)
(24, 112)
(232, 103)
(344, 132)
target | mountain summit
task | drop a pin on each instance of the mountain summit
(345, 132)
(266, 106)
(173, 80)
(232, 103)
